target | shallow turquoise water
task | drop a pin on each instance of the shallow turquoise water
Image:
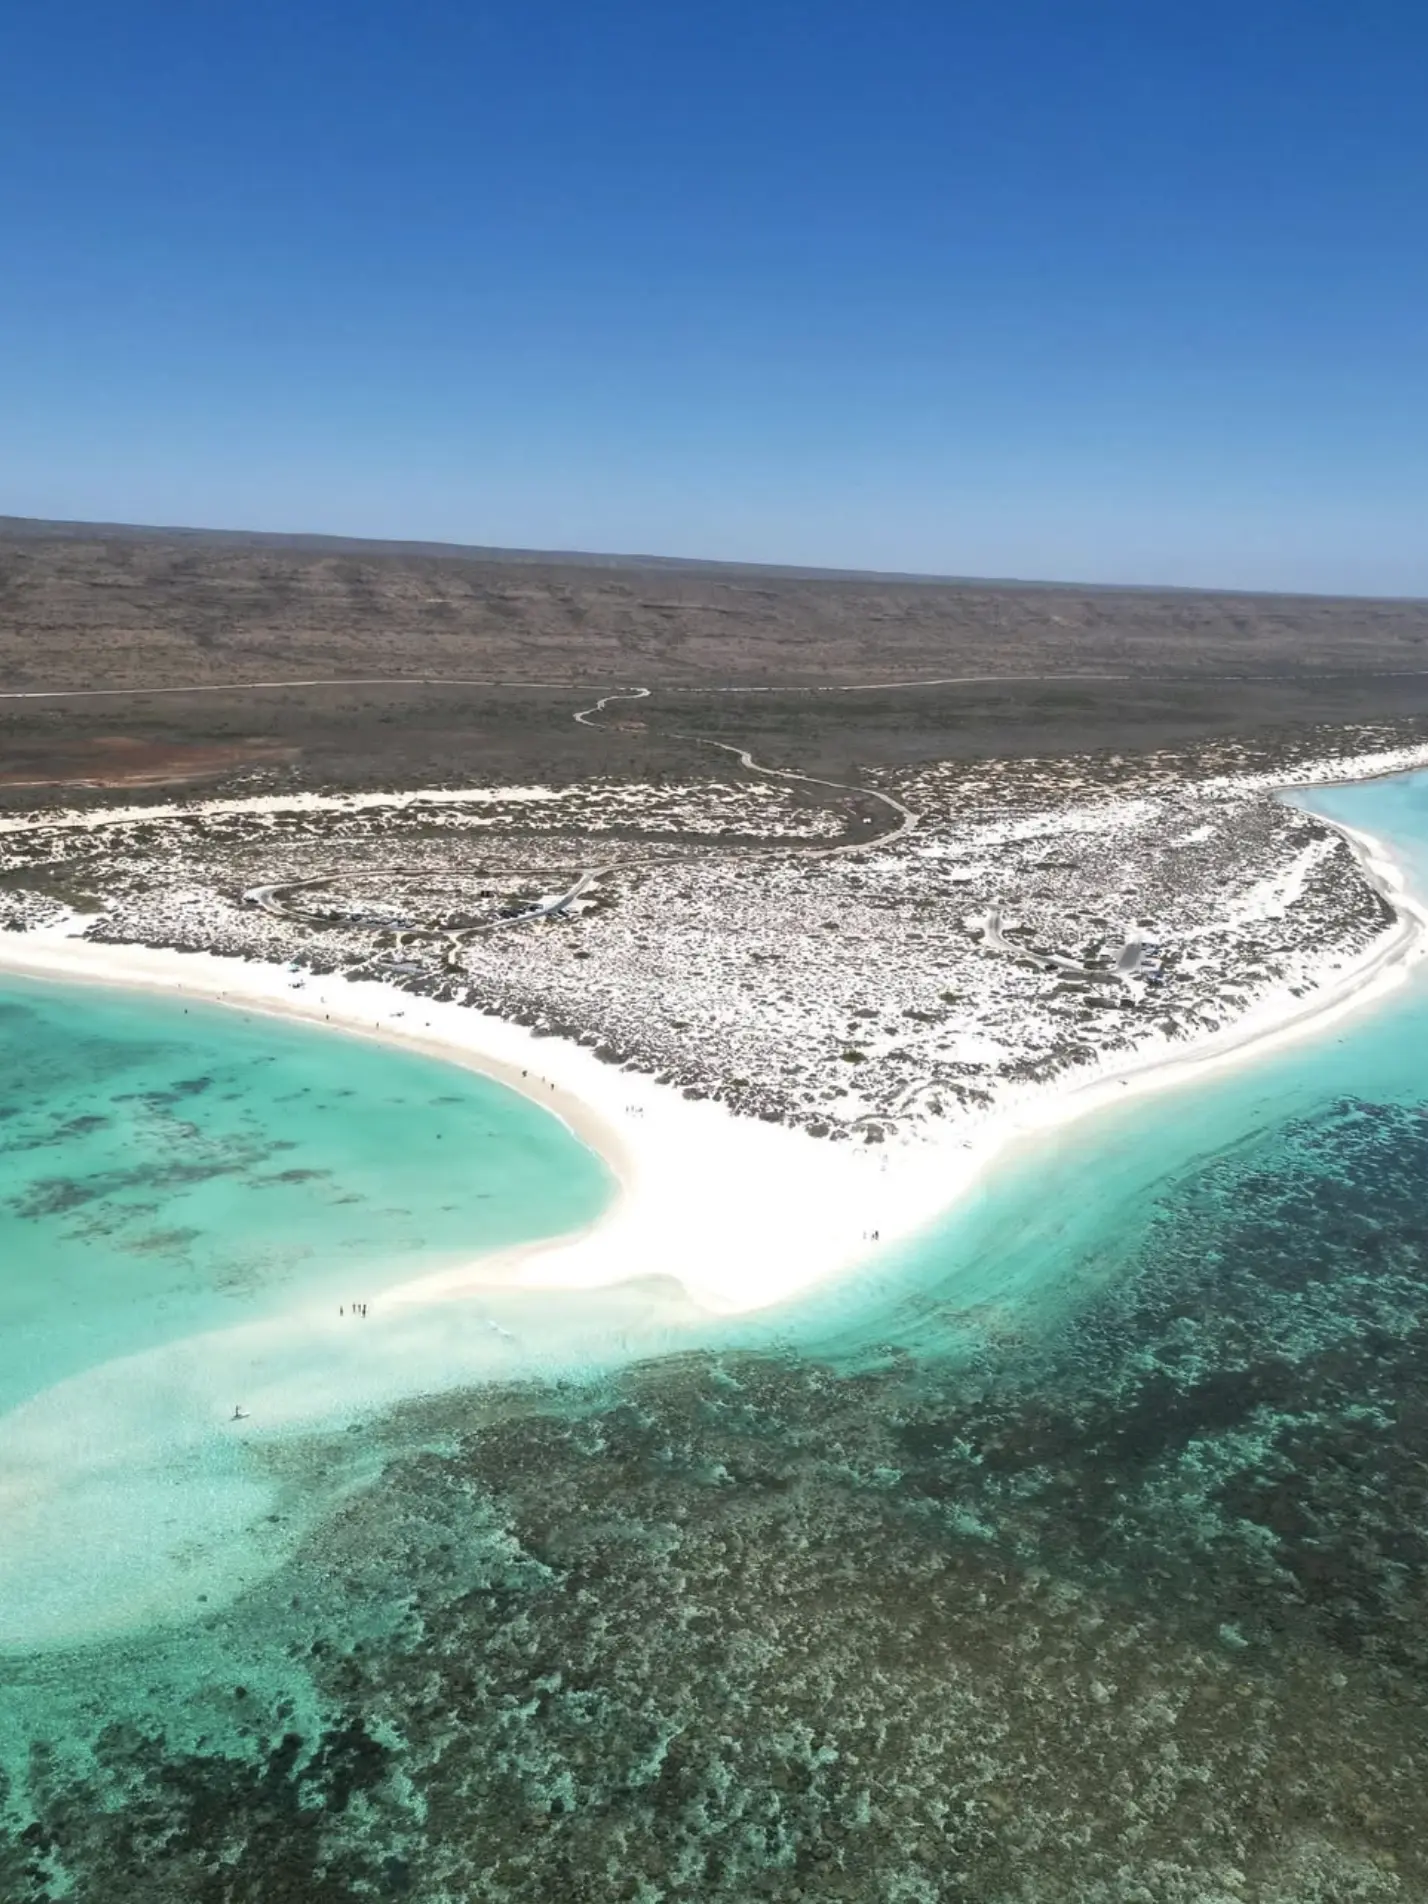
(193, 1203)
(1395, 810)
(1078, 1549)
(168, 1169)
(1065, 1217)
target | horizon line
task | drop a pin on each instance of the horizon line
(60, 529)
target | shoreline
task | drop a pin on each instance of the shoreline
(128, 1495)
(744, 1215)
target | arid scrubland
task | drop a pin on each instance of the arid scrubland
(769, 942)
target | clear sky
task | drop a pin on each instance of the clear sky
(1135, 290)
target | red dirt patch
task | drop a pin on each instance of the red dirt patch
(121, 761)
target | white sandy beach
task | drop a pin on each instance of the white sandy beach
(743, 1214)
(127, 1492)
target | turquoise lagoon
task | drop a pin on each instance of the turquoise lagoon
(194, 1204)
(167, 1169)
(1102, 1500)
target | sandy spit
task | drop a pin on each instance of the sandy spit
(743, 1213)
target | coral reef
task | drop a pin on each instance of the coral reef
(1129, 1611)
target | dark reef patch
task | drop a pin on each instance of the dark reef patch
(55, 1131)
(1134, 1613)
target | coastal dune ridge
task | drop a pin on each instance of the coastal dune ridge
(744, 1214)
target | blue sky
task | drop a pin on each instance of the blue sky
(1108, 291)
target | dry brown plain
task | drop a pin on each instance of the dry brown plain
(467, 664)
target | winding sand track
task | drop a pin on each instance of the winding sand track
(906, 818)
(582, 719)
(620, 694)
(276, 899)
(681, 687)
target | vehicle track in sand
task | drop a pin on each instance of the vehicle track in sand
(463, 681)
(318, 683)
(905, 818)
